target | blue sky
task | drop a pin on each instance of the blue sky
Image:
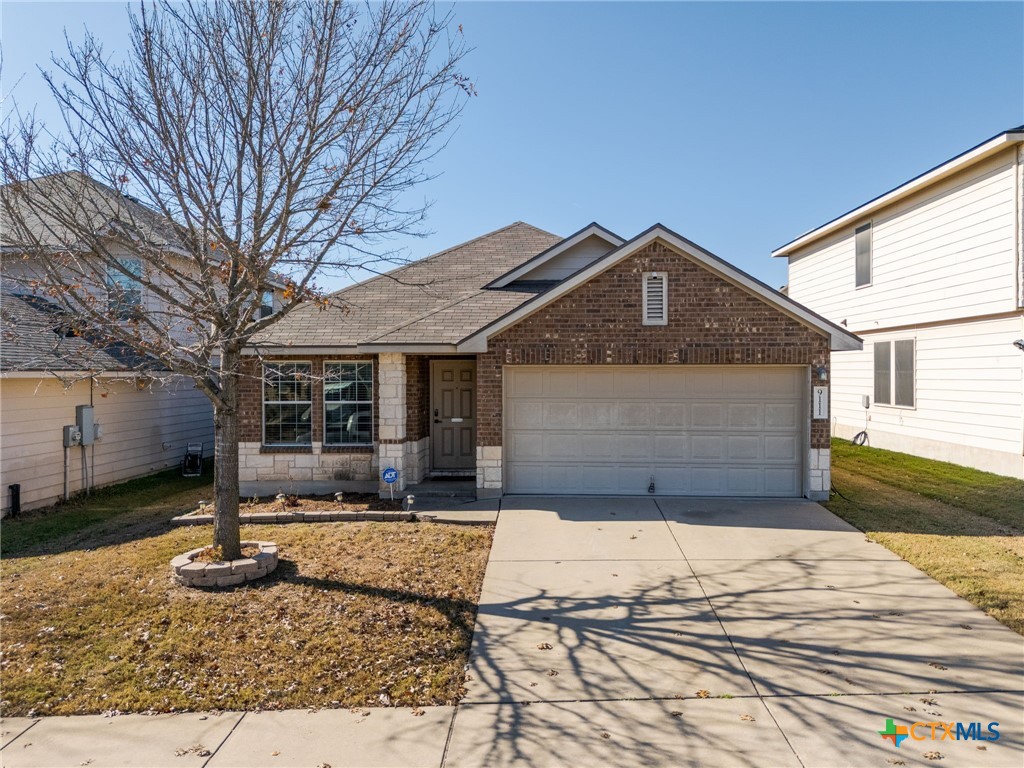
(739, 125)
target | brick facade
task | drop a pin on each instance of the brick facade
(710, 322)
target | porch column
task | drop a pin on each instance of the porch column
(391, 429)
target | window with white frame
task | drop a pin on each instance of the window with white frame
(862, 238)
(124, 288)
(894, 372)
(266, 304)
(287, 403)
(655, 298)
(348, 403)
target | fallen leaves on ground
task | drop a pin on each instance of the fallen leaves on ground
(357, 614)
(933, 755)
(747, 718)
(703, 694)
(544, 646)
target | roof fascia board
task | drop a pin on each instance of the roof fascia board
(946, 169)
(371, 348)
(592, 229)
(840, 339)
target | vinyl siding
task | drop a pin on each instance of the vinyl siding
(946, 253)
(969, 396)
(143, 432)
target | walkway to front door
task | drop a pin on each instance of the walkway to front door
(453, 416)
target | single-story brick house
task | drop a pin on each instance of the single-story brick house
(537, 364)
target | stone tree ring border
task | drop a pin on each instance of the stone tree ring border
(225, 573)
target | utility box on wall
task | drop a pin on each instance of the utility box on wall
(84, 417)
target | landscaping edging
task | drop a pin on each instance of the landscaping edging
(275, 518)
(225, 573)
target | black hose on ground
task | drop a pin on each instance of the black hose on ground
(860, 438)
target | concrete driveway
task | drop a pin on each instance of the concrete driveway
(617, 631)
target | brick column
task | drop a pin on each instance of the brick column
(391, 429)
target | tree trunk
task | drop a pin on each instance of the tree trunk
(226, 534)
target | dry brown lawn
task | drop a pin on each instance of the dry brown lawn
(357, 614)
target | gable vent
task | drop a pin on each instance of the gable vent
(655, 298)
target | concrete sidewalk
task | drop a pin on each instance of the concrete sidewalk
(646, 632)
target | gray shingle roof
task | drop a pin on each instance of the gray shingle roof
(34, 336)
(438, 300)
(45, 204)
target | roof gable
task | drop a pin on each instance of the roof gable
(839, 338)
(565, 258)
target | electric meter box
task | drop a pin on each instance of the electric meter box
(84, 417)
(72, 436)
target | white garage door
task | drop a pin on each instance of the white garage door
(698, 431)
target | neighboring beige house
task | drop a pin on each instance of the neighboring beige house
(535, 364)
(931, 275)
(146, 416)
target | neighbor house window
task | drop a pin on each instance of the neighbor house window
(894, 373)
(287, 404)
(348, 403)
(655, 298)
(124, 288)
(266, 304)
(863, 246)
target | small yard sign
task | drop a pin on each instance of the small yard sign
(390, 475)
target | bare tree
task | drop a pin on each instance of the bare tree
(242, 144)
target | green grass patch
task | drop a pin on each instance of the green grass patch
(962, 527)
(983, 493)
(153, 496)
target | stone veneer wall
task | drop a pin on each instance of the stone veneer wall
(711, 322)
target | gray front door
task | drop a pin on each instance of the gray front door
(453, 414)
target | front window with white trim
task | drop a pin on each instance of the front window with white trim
(894, 373)
(288, 404)
(655, 298)
(862, 257)
(348, 403)
(124, 288)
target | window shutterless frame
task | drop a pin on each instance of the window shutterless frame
(895, 373)
(353, 403)
(863, 247)
(291, 402)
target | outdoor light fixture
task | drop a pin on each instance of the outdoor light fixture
(339, 497)
(408, 502)
(1019, 344)
(822, 373)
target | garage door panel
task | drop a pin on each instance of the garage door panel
(742, 481)
(781, 481)
(705, 382)
(707, 416)
(596, 415)
(596, 384)
(632, 383)
(526, 414)
(707, 447)
(561, 384)
(698, 431)
(746, 416)
(634, 415)
(670, 415)
(633, 446)
(781, 416)
(671, 448)
(744, 448)
(560, 414)
(707, 481)
(778, 448)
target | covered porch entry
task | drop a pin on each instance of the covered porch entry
(428, 422)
